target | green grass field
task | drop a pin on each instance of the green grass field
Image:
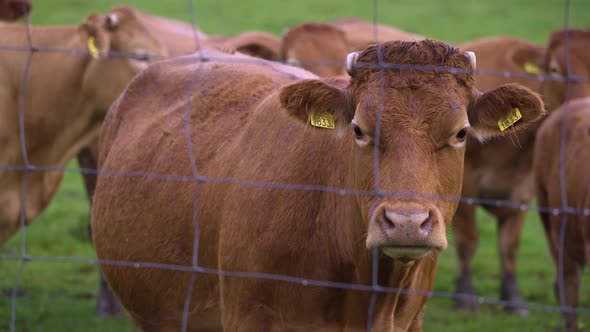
(61, 296)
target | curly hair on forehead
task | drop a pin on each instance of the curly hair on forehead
(424, 52)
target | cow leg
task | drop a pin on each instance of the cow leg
(571, 282)
(510, 227)
(466, 240)
(107, 304)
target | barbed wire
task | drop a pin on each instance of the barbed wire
(564, 210)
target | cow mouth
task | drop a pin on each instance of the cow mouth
(406, 252)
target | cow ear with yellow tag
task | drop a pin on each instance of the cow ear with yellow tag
(93, 31)
(323, 104)
(529, 57)
(506, 109)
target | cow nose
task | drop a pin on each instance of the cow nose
(412, 223)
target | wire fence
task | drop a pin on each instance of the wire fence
(28, 168)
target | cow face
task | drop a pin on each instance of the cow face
(408, 130)
(317, 47)
(121, 46)
(565, 46)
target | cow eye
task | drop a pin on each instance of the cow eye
(459, 138)
(461, 135)
(358, 132)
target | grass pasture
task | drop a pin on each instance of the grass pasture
(60, 296)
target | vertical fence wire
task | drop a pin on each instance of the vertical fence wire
(562, 171)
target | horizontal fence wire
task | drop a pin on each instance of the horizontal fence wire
(29, 169)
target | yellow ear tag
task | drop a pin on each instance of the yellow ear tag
(322, 120)
(532, 68)
(510, 119)
(92, 48)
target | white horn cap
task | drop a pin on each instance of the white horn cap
(472, 59)
(112, 20)
(350, 61)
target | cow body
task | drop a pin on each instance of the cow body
(177, 38)
(499, 169)
(249, 122)
(65, 97)
(567, 57)
(502, 169)
(575, 250)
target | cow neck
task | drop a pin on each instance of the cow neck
(400, 304)
(58, 113)
(59, 117)
(392, 274)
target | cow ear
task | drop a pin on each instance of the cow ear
(259, 51)
(530, 58)
(320, 103)
(97, 38)
(257, 44)
(16, 9)
(507, 108)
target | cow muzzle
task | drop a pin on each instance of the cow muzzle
(406, 231)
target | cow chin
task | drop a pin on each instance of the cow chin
(406, 252)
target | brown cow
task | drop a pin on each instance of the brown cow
(502, 168)
(567, 57)
(12, 10)
(547, 169)
(322, 47)
(177, 38)
(66, 97)
(249, 122)
(499, 169)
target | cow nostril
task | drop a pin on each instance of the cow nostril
(386, 221)
(428, 224)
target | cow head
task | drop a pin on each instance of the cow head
(11, 10)
(407, 128)
(317, 47)
(571, 45)
(120, 46)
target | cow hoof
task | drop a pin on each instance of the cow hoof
(516, 306)
(465, 298)
(466, 303)
(509, 293)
